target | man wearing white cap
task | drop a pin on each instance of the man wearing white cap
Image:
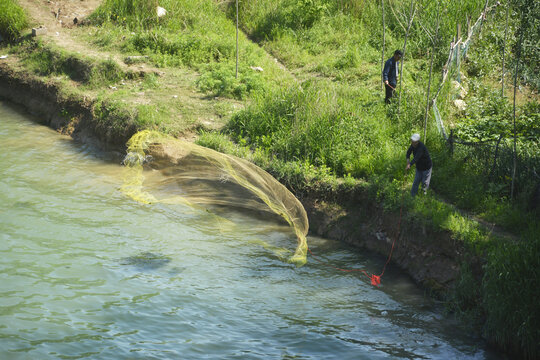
(422, 160)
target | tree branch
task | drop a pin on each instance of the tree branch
(397, 18)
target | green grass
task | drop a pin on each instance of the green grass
(13, 19)
(193, 34)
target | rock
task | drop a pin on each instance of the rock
(460, 104)
(462, 93)
(161, 11)
(42, 30)
(134, 59)
(257, 68)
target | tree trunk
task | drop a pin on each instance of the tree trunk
(434, 40)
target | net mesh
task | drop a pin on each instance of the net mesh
(458, 51)
(162, 169)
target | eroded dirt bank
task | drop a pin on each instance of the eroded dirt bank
(69, 115)
(431, 258)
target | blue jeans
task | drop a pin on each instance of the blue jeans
(421, 176)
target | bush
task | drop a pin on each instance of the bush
(220, 80)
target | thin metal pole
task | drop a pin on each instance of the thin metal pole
(518, 56)
(383, 44)
(504, 49)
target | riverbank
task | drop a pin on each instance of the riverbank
(103, 94)
(350, 215)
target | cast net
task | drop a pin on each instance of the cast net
(162, 169)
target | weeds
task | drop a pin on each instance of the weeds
(13, 20)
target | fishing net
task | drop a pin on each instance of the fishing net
(458, 51)
(162, 169)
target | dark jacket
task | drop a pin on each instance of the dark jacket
(420, 157)
(390, 71)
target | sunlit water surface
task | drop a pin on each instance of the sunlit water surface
(87, 273)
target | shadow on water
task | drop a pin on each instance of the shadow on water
(146, 261)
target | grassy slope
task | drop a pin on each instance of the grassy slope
(319, 123)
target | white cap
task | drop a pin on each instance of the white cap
(415, 137)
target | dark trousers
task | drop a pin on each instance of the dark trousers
(389, 93)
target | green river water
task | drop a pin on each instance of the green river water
(85, 272)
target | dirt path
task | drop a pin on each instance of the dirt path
(59, 17)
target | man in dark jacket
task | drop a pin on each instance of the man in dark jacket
(390, 75)
(422, 160)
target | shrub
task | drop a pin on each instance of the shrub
(220, 80)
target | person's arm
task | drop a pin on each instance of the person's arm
(407, 157)
(409, 151)
(385, 72)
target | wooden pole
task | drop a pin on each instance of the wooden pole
(237, 39)
(434, 40)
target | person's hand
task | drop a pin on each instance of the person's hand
(408, 167)
(386, 82)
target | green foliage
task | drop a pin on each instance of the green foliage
(314, 123)
(529, 26)
(510, 290)
(488, 115)
(13, 20)
(45, 60)
(190, 49)
(131, 13)
(296, 175)
(106, 72)
(149, 116)
(466, 296)
(220, 80)
(114, 117)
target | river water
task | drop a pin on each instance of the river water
(86, 272)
